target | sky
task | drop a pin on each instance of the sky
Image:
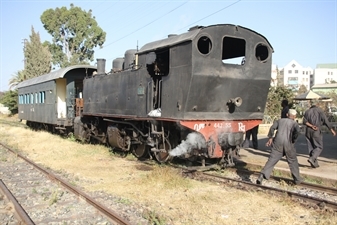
(300, 30)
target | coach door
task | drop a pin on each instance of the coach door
(61, 98)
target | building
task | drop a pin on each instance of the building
(294, 75)
(4, 110)
(274, 78)
(324, 88)
(325, 73)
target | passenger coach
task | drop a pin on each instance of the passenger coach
(49, 100)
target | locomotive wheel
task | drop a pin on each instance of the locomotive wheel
(140, 151)
(163, 156)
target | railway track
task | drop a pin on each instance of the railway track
(8, 203)
(43, 198)
(311, 195)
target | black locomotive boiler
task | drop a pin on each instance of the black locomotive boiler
(191, 96)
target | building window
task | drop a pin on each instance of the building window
(296, 71)
(289, 71)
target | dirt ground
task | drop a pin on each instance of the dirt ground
(162, 190)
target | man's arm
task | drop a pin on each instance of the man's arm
(296, 132)
(310, 125)
(271, 133)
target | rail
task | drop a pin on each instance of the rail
(106, 211)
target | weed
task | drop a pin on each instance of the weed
(73, 183)
(153, 218)
(53, 198)
(71, 137)
(313, 180)
(3, 159)
(124, 201)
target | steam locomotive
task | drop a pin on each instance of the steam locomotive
(190, 96)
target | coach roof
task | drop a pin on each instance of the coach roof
(53, 75)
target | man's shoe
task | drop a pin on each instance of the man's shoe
(297, 182)
(260, 179)
(312, 163)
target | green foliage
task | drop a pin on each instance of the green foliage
(275, 97)
(10, 100)
(302, 89)
(75, 34)
(333, 96)
(17, 77)
(37, 56)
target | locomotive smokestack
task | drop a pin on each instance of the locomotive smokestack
(100, 66)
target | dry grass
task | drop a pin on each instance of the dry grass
(161, 190)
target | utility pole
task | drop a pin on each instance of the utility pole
(24, 49)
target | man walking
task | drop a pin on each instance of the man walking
(283, 144)
(285, 108)
(251, 133)
(314, 118)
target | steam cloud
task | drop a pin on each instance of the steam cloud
(193, 141)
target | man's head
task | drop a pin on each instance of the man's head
(284, 103)
(313, 102)
(292, 113)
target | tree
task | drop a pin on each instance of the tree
(17, 77)
(75, 34)
(275, 96)
(302, 89)
(37, 56)
(10, 100)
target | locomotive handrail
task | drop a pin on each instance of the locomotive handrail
(148, 102)
(159, 93)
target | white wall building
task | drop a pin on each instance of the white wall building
(274, 78)
(294, 75)
(325, 73)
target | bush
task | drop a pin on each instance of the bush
(10, 100)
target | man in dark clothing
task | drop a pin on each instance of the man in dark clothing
(285, 108)
(283, 144)
(314, 118)
(251, 133)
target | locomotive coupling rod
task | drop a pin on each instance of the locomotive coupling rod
(122, 122)
(157, 150)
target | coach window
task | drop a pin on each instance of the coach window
(36, 98)
(31, 98)
(43, 96)
(261, 52)
(233, 51)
